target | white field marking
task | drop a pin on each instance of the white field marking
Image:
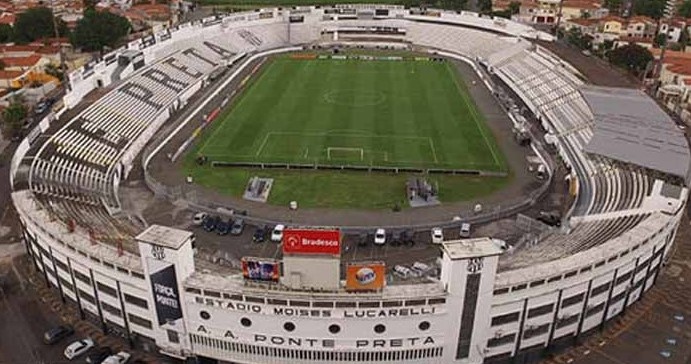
(475, 118)
(261, 147)
(434, 151)
(307, 150)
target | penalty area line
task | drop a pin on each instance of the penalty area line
(261, 147)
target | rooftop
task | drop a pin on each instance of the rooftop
(165, 236)
(632, 128)
(470, 248)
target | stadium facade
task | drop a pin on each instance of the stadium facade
(486, 304)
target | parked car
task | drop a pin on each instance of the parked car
(223, 227)
(396, 239)
(259, 234)
(199, 218)
(210, 223)
(550, 218)
(408, 237)
(238, 226)
(362, 240)
(380, 237)
(98, 355)
(57, 334)
(43, 106)
(120, 358)
(437, 235)
(277, 233)
(78, 348)
(465, 230)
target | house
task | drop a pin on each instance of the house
(586, 26)
(674, 78)
(640, 27)
(674, 28)
(612, 25)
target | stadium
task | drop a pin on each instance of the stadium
(371, 94)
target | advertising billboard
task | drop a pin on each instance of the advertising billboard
(365, 276)
(256, 269)
(164, 286)
(304, 241)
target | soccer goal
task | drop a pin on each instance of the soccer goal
(343, 153)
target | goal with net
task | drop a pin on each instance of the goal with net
(343, 153)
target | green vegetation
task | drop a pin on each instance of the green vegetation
(13, 117)
(99, 29)
(341, 189)
(350, 112)
(35, 24)
(631, 57)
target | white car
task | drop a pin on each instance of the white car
(277, 233)
(380, 237)
(119, 358)
(465, 230)
(199, 218)
(78, 348)
(437, 236)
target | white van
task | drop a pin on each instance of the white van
(402, 271)
(465, 230)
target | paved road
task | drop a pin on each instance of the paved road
(23, 321)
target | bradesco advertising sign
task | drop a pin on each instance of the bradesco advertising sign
(303, 241)
(365, 276)
(260, 269)
(166, 296)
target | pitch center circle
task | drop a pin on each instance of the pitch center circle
(354, 98)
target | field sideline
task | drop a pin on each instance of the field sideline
(351, 112)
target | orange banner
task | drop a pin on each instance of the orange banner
(365, 276)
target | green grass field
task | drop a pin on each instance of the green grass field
(351, 112)
(381, 113)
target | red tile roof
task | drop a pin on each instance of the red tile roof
(28, 61)
(10, 75)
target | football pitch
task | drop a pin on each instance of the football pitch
(410, 114)
(354, 112)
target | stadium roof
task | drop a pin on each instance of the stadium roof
(632, 128)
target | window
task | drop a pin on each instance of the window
(212, 293)
(566, 321)
(519, 287)
(173, 337)
(539, 311)
(535, 331)
(500, 291)
(86, 297)
(193, 290)
(505, 319)
(204, 315)
(110, 309)
(379, 328)
(106, 289)
(66, 285)
(139, 321)
(61, 265)
(298, 303)
(289, 326)
(245, 322)
(136, 301)
(334, 329)
(415, 302)
(424, 325)
(345, 304)
(572, 300)
(593, 310)
(599, 290)
(502, 340)
(81, 277)
(369, 304)
(436, 301)
(623, 278)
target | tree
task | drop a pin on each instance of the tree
(652, 8)
(660, 40)
(97, 30)
(580, 40)
(12, 118)
(485, 6)
(54, 71)
(614, 6)
(6, 33)
(631, 57)
(37, 23)
(685, 9)
(515, 7)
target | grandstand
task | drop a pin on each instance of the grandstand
(614, 237)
